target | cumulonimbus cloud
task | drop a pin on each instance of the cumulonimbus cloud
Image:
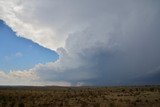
(104, 42)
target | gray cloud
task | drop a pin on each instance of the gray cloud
(103, 42)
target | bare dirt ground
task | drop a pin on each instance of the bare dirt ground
(133, 96)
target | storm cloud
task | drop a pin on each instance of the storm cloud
(106, 42)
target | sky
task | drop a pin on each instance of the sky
(17, 53)
(76, 43)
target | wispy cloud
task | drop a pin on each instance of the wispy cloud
(18, 54)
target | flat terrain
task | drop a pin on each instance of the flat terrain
(135, 96)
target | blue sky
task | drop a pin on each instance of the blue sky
(17, 53)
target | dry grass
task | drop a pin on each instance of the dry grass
(145, 96)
